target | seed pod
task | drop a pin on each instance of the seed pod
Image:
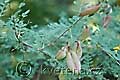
(89, 11)
(78, 49)
(85, 33)
(106, 21)
(61, 53)
(69, 60)
(76, 62)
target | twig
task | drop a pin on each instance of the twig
(26, 44)
(107, 53)
(95, 69)
(17, 35)
(53, 42)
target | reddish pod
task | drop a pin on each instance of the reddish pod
(89, 11)
(106, 21)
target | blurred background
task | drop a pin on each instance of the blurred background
(46, 11)
(42, 11)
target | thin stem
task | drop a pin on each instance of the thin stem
(107, 53)
(53, 42)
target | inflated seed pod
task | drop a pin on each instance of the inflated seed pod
(61, 53)
(76, 62)
(85, 33)
(106, 20)
(78, 49)
(69, 60)
(89, 11)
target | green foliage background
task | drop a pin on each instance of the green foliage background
(21, 41)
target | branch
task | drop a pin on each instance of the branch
(107, 53)
(53, 42)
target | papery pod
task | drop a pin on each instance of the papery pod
(85, 33)
(76, 62)
(61, 53)
(78, 49)
(106, 20)
(89, 11)
(69, 60)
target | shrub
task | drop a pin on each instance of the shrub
(29, 53)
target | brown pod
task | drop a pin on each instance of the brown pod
(106, 21)
(69, 61)
(61, 53)
(89, 11)
(78, 49)
(76, 62)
